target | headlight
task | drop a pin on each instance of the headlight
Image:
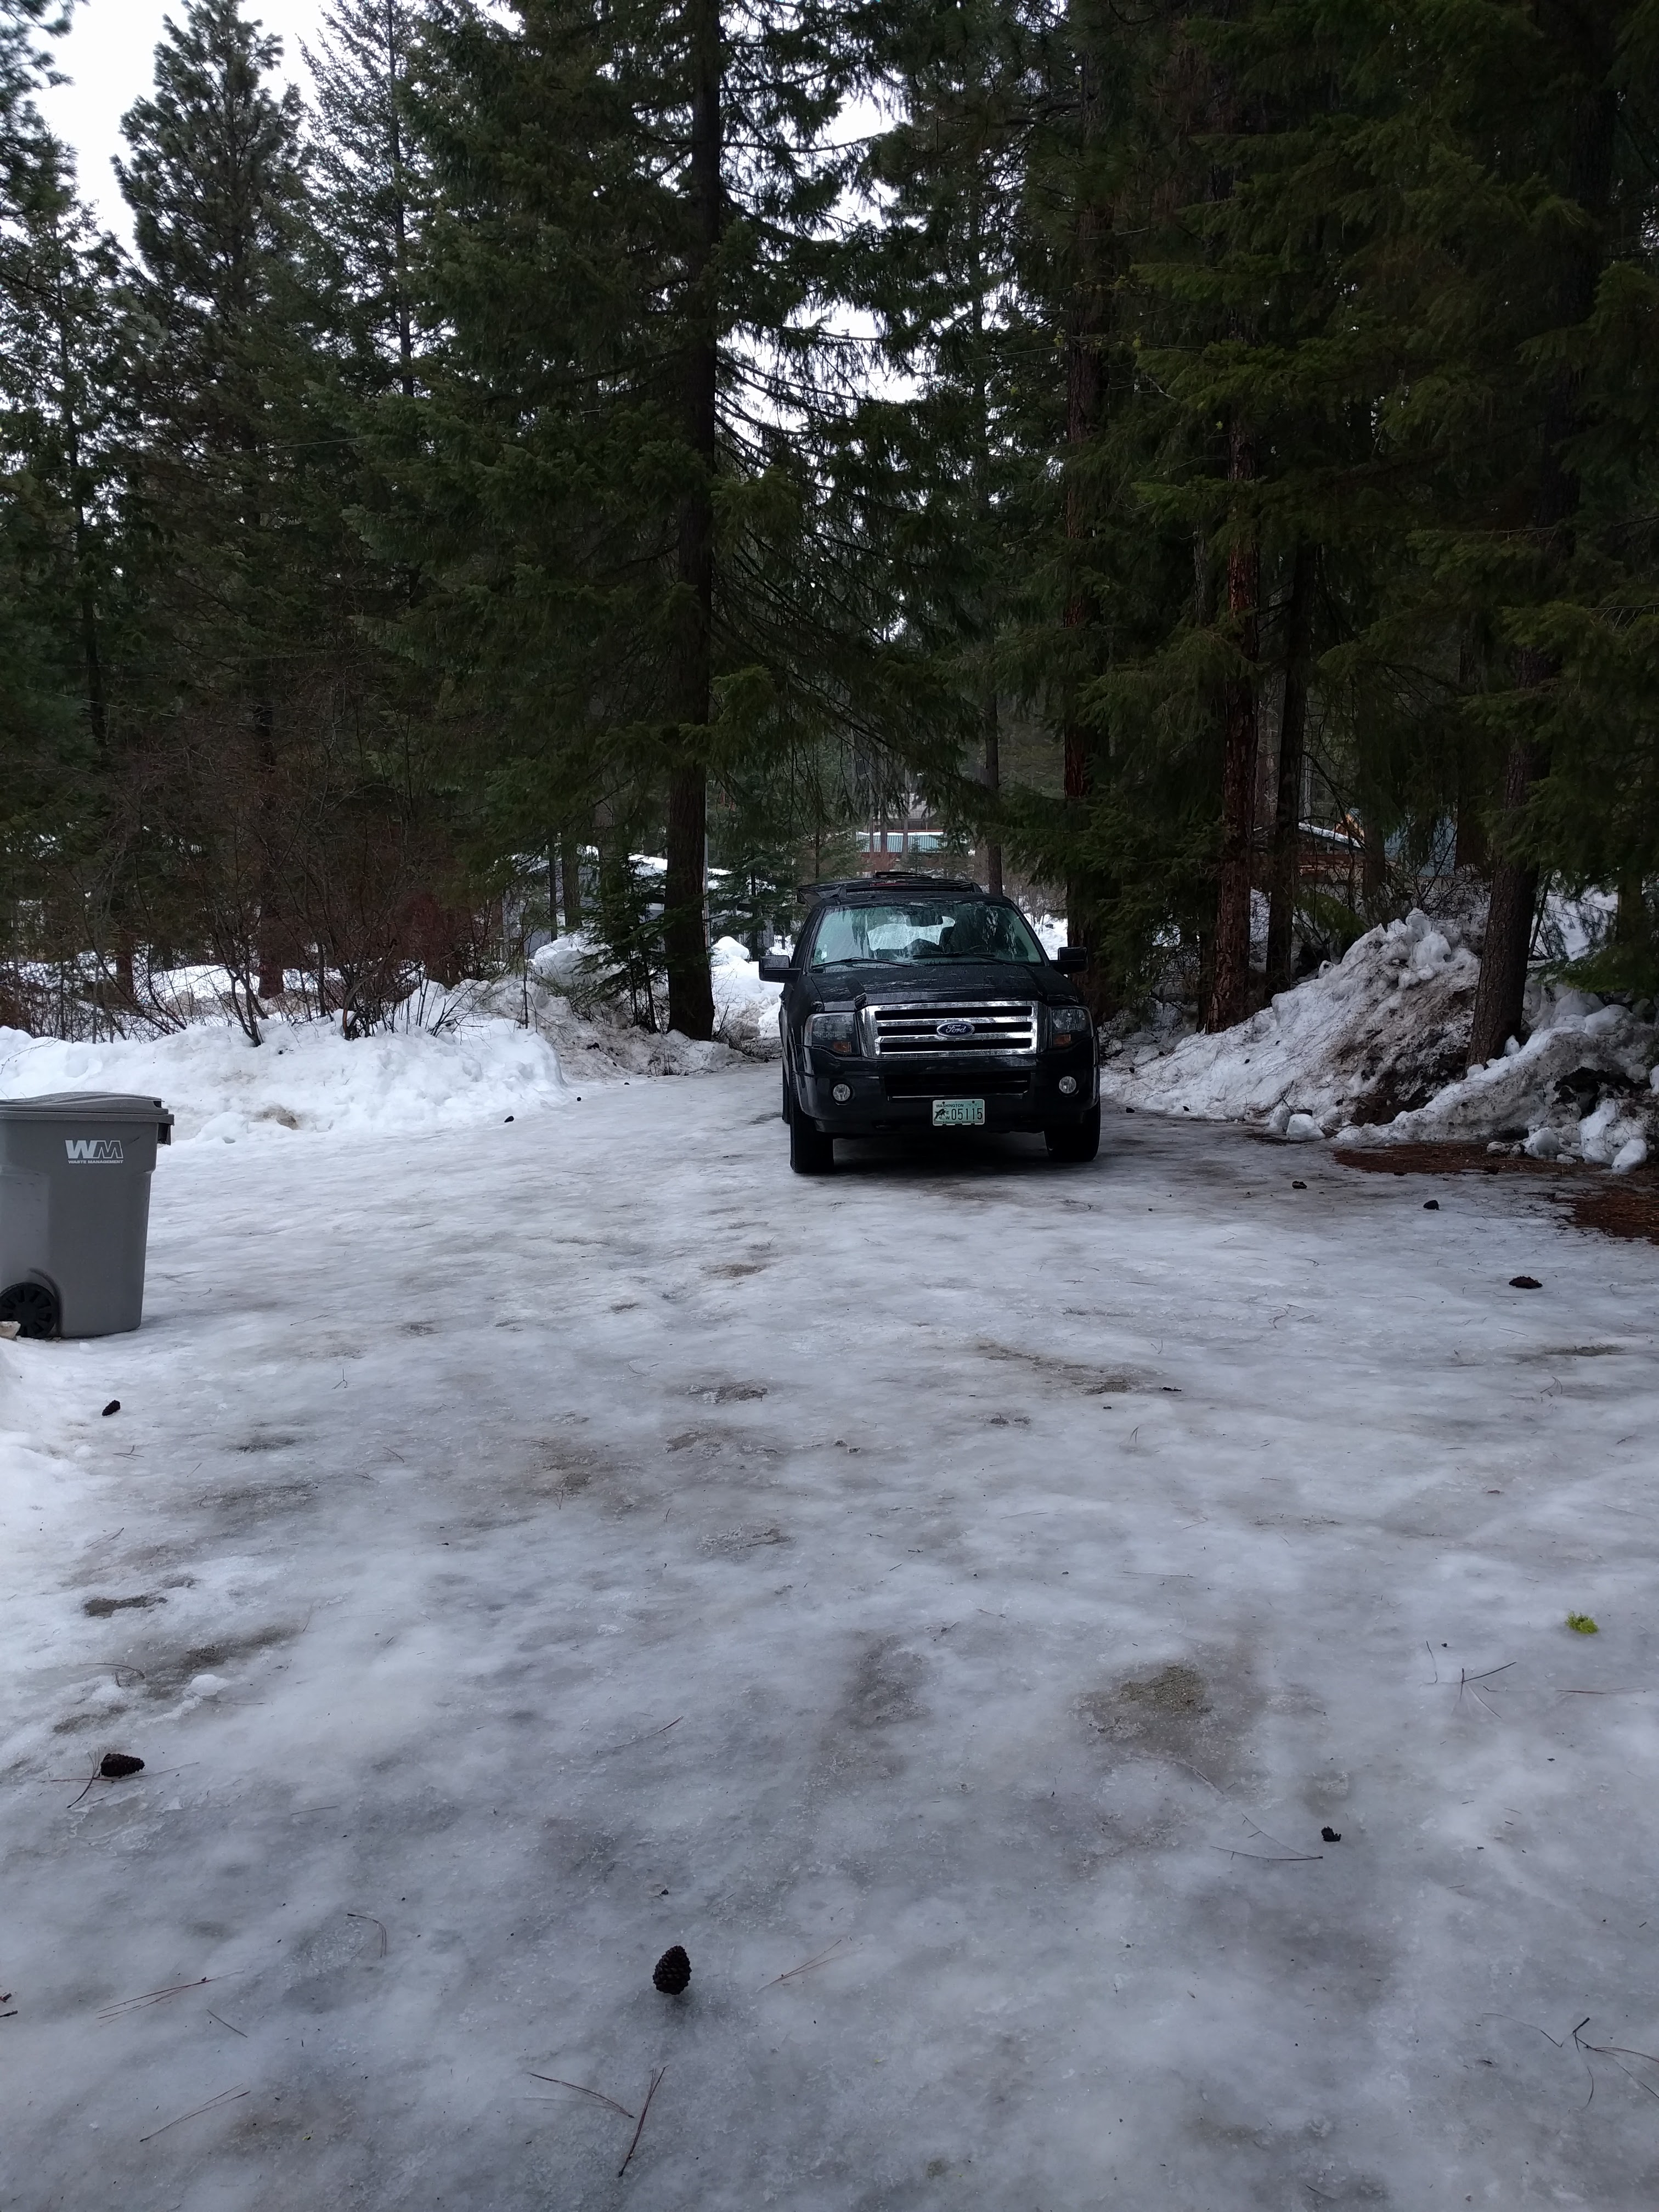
(836, 1033)
(1067, 1024)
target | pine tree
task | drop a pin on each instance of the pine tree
(1120, 649)
(940, 267)
(612, 492)
(364, 189)
(60, 371)
(213, 178)
(25, 65)
(1531, 106)
(59, 364)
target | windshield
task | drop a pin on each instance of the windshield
(918, 929)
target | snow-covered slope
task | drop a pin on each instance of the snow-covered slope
(1373, 1047)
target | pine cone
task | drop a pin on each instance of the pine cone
(672, 1972)
(114, 1764)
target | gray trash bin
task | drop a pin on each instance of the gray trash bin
(75, 1170)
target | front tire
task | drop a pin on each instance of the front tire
(811, 1151)
(1075, 1141)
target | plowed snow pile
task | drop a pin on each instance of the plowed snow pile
(305, 1076)
(1372, 1050)
(592, 1034)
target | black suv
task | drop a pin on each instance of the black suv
(921, 1002)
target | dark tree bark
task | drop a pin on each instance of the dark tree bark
(1292, 752)
(1470, 847)
(994, 785)
(1632, 922)
(570, 873)
(1230, 996)
(989, 721)
(1083, 399)
(1501, 993)
(685, 931)
(1373, 871)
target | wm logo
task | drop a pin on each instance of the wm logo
(94, 1151)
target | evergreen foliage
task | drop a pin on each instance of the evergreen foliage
(694, 429)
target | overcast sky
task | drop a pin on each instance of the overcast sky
(108, 56)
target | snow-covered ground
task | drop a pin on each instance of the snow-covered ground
(951, 1598)
(1373, 1049)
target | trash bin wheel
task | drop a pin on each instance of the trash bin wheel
(32, 1306)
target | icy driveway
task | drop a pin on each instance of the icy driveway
(568, 1538)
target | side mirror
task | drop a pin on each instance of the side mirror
(1071, 960)
(774, 967)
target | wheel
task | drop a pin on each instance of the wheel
(32, 1306)
(810, 1152)
(1075, 1141)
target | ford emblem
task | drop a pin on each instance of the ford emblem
(955, 1029)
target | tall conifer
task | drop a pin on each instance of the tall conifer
(364, 187)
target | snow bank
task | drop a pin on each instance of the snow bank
(1538, 1094)
(1374, 1049)
(516, 1046)
(306, 1075)
(745, 1009)
(596, 1038)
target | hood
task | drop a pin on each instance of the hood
(884, 984)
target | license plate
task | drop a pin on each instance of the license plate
(958, 1113)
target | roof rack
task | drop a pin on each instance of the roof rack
(886, 879)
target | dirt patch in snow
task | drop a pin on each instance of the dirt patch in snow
(1453, 1159)
(1178, 1712)
(1627, 1207)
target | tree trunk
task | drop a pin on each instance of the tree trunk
(686, 932)
(991, 765)
(1229, 998)
(270, 934)
(570, 870)
(1292, 745)
(1501, 991)
(1632, 925)
(1470, 849)
(1373, 871)
(1083, 395)
(994, 785)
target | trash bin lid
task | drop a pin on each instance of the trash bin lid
(86, 1106)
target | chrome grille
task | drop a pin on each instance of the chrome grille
(993, 1027)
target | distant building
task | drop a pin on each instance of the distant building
(898, 836)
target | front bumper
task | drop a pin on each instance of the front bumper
(886, 1101)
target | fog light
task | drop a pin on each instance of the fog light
(1067, 1085)
(843, 1092)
